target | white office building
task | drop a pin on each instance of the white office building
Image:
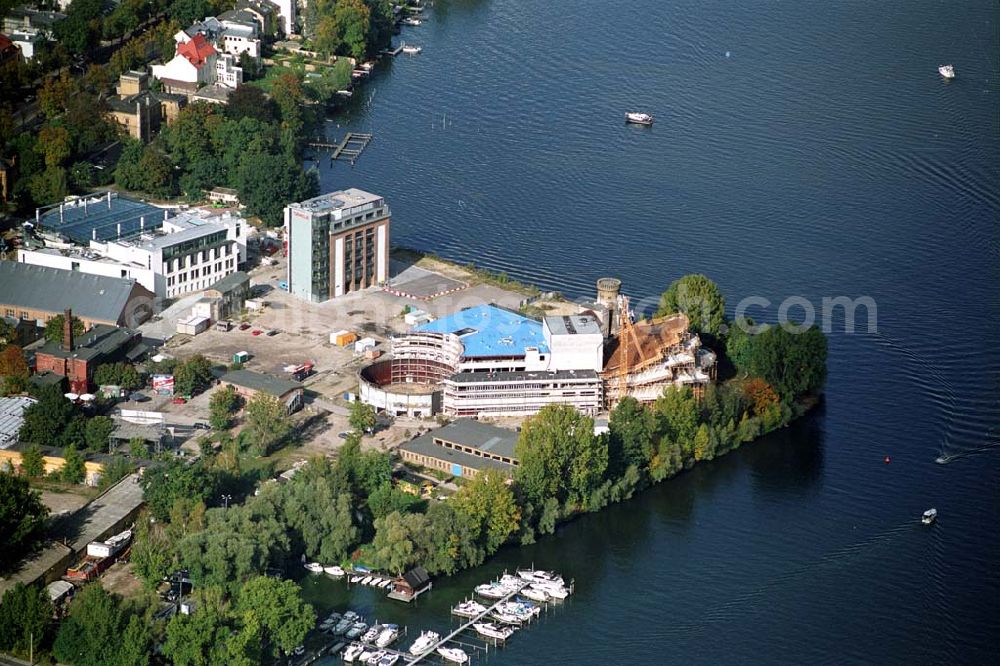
(189, 252)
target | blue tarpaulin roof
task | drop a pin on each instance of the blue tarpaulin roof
(486, 330)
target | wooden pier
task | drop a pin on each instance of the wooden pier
(432, 652)
(349, 149)
(393, 51)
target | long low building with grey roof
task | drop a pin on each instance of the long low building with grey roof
(463, 448)
(40, 293)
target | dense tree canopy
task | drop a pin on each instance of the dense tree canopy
(193, 376)
(267, 422)
(793, 363)
(276, 606)
(22, 517)
(700, 299)
(46, 422)
(102, 631)
(25, 618)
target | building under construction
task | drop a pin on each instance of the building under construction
(642, 359)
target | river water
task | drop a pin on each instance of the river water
(801, 149)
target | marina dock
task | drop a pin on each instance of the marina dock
(349, 149)
(393, 51)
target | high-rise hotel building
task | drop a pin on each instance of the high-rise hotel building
(337, 243)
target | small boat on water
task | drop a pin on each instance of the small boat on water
(492, 590)
(388, 659)
(636, 118)
(535, 594)
(314, 567)
(352, 652)
(372, 633)
(386, 584)
(366, 580)
(930, 515)
(491, 630)
(356, 630)
(454, 655)
(554, 591)
(373, 658)
(947, 71)
(388, 635)
(355, 579)
(468, 609)
(424, 643)
(334, 571)
(410, 20)
(412, 50)
(539, 576)
(506, 618)
(366, 654)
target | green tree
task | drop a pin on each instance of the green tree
(267, 182)
(55, 145)
(704, 448)
(167, 482)
(74, 469)
(677, 419)
(32, 462)
(152, 551)
(8, 335)
(318, 507)
(93, 633)
(118, 374)
(54, 328)
(137, 448)
(251, 102)
(25, 619)
(453, 540)
(700, 299)
(22, 517)
(201, 638)
(97, 432)
(559, 456)
(46, 421)
(489, 504)
(115, 469)
(284, 618)
(362, 417)
(221, 407)
(399, 541)
(128, 172)
(193, 375)
(632, 436)
(794, 363)
(267, 422)
(388, 499)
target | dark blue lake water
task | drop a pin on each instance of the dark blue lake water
(802, 149)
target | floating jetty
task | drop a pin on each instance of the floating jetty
(349, 149)
(393, 51)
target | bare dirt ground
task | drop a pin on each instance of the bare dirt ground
(302, 333)
(119, 579)
(71, 500)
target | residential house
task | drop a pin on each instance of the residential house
(76, 360)
(197, 63)
(28, 40)
(140, 111)
(264, 14)
(25, 17)
(9, 51)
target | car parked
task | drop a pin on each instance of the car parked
(179, 400)
(244, 326)
(256, 331)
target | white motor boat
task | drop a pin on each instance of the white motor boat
(412, 50)
(491, 630)
(424, 643)
(374, 657)
(355, 579)
(492, 590)
(356, 630)
(947, 71)
(930, 515)
(539, 576)
(388, 659)
(388, 635)
(535, 594)
(352, 652)
(409, 20)
(468, 609)
(454, 655)
(336, 572)
(372, 633)
(506, 618)
(365, 655)
(636, 118)
(386, 584)
(554, 591)
(314, 567)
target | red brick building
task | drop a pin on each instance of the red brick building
(76, 359)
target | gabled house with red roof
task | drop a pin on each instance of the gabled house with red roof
(196, 64)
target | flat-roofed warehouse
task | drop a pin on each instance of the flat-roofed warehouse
(463, 448)
(248, 384)
(40, 293)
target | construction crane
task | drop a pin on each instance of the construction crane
(626, 337)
